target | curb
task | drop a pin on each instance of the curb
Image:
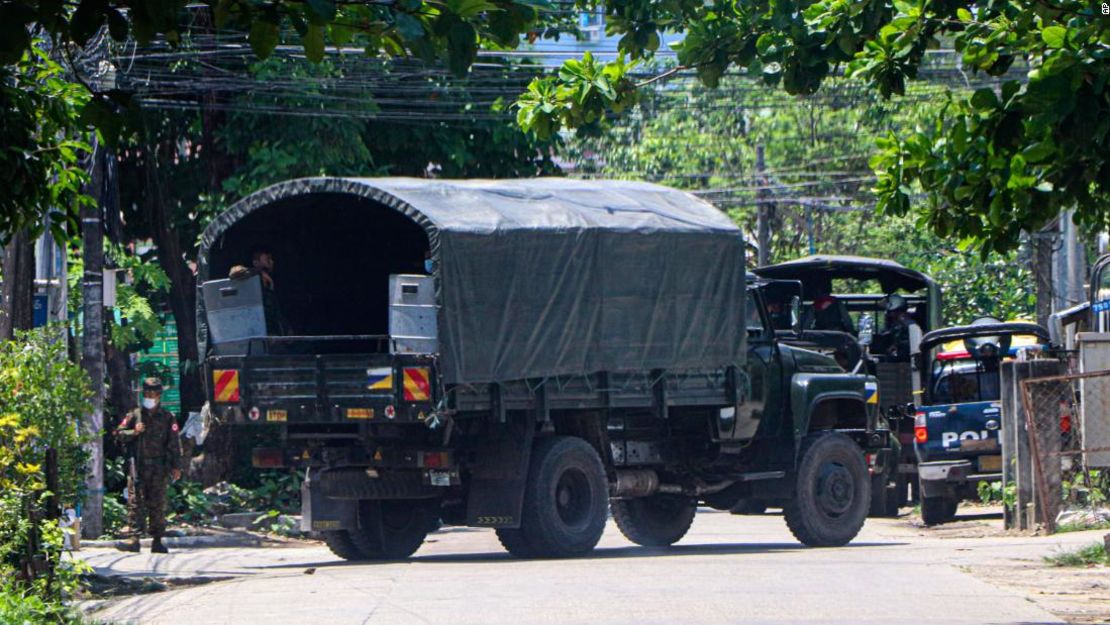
(224, 539)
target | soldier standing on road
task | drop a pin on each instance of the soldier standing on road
(154, 456)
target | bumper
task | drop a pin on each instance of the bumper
(951, 478)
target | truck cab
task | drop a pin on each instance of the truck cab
(958, 422)
(870, 314)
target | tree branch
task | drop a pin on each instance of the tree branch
(663, 76)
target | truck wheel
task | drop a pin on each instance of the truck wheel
(340, 543)
(564, 501)
(655, 521)
(833, 492)
(749, 506)
(884, 498)
(391, 530)
(937, 510)
(514, 541)
(901, 489)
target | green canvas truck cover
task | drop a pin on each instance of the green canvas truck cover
(552, 276)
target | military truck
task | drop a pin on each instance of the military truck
(576, 345)
(856, 328)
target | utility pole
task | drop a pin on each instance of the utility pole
(17, 263)
(1070, 264)
(809, 228)
(764, 209)
(1041, 242)
(92, 345)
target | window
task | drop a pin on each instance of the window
(755, 320)
(965, 381)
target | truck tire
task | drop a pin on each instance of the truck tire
(749, 506)
(391, 529)
(514, 541)
(565, 501)
(937, 510)
(655, 521)
(884, 498)
(832, 494)
(340, 543)
(902, 491)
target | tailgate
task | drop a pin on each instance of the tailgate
(322, 388)
(959, 431)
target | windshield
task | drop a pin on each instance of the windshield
(961, 381)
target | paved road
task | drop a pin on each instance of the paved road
(727, 570)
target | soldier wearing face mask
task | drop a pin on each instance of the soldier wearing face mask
(153, 456)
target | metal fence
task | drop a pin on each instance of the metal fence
(1067, 424)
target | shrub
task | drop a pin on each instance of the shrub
(42, 399)
(19, 605)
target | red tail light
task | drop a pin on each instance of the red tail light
(267, 458)
(434, 459)
(920, 428)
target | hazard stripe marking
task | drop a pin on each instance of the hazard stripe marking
(226, 382)
(416, 384)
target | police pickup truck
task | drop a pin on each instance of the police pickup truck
(956, 427)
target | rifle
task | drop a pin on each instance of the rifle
(132, 463)
(133, 475)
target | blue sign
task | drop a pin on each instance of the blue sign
(40, 309)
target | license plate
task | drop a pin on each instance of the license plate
(987, 444)
(439, 478)
(360, 413)
(990, 463)
(277, 415)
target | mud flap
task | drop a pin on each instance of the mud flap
(497, 484)
(320, 513)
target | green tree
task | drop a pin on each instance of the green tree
(42, 155)
(44, 111)
(817, 147)
(990, 164)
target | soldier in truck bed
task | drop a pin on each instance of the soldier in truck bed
(153, 456)
(262, 265)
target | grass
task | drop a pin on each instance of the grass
(1080, 527)
(26, 608)
(1084, 556)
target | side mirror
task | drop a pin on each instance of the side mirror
(866, 329)
(796, 314)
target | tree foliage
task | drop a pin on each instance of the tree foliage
(990, 164)
(45, 112)
(705, 141)
(40, 155)
(449, 31)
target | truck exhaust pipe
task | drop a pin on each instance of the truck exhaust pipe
(632, 483)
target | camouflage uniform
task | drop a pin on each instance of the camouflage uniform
(276, 324)
(156, 452)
